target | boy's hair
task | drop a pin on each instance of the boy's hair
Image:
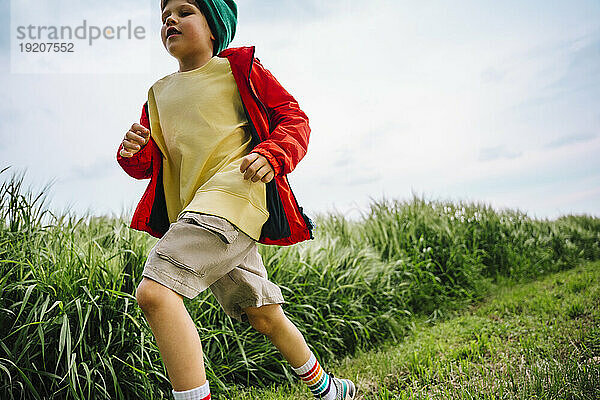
(221, 16)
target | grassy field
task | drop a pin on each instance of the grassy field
(536, 340)
(70, 326)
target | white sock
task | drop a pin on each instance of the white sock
(199, 393)
(318, 381)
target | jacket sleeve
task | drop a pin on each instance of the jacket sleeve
(288, 124)
(138, 166)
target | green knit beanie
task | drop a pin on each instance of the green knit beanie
(221, 16)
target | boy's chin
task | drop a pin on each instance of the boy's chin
(174, 50)
(179, 51)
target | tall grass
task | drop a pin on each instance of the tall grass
(70, 326)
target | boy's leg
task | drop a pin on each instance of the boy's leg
(175, 334)
(247, 285)
(272, 322)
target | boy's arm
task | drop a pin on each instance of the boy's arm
(288, 140)
(138, 166)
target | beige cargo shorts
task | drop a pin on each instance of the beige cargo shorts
(202, 251)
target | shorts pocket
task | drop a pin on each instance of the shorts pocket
(224, 229)
(179, 248)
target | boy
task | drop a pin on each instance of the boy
(217, 139)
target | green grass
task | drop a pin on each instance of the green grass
(537, 340)
(70, 327)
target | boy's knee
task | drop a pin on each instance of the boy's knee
(262, 324)
(264, 320)
(151, 294)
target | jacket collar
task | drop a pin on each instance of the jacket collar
(240, 57)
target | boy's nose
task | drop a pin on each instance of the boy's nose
(170, 20)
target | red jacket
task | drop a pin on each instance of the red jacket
(280, 133)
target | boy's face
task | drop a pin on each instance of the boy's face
(195, 36)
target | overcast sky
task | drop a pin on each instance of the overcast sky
(496, 102)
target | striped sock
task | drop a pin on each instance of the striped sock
(318, 381)
(199, 393)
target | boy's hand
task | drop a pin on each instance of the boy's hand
(134, 140)
(257, 168)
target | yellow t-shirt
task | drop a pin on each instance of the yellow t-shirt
(197, 120)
